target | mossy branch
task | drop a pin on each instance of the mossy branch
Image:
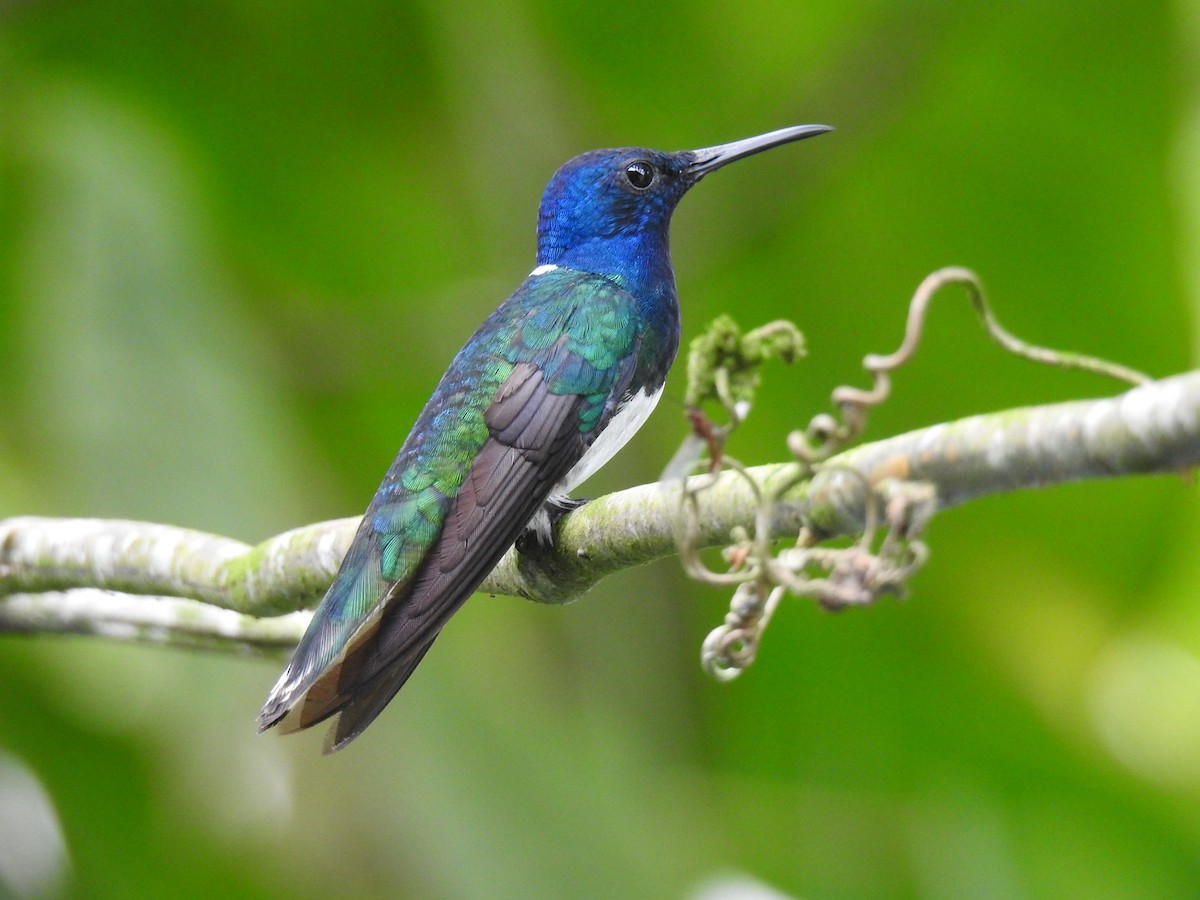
(159, 583)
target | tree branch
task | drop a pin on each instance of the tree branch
(159, 583)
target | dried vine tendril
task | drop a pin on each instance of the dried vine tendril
(723, 366)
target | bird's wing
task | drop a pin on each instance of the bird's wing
(533, 438)
(510, 478)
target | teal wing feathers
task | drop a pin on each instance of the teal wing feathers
(518, 408)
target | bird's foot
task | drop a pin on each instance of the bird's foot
(539, 533)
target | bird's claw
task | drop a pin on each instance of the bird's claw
(539, 533)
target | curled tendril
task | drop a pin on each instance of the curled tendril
(889, 550)
(824, 435)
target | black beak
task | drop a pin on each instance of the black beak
(710, 158)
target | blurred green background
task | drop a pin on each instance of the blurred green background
(239, 242)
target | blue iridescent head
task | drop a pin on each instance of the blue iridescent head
(609, 211)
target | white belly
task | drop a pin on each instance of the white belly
(621, 428)
(624, 424)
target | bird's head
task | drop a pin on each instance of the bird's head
(606, 208)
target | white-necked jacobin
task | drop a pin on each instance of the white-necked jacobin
(548, 388)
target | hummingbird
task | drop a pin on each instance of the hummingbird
(547, 389)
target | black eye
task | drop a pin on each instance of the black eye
(640, 174)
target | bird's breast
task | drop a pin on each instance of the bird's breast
(629, 417)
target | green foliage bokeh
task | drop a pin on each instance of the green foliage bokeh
(240, 241)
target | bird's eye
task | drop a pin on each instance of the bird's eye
(639, 174)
